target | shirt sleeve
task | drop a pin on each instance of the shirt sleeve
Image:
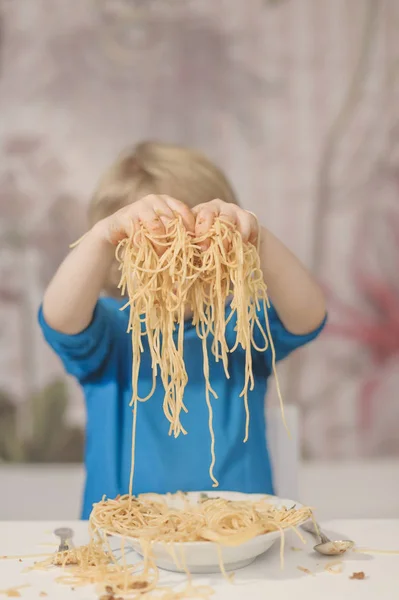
(284, 341)
(85, 354)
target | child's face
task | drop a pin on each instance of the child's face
(188, 313)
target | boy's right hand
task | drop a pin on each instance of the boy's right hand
(68, 308)
(155, 211)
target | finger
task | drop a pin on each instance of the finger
(162, 209)
(155, 228)
(142, 212)
(244, 225)
(182, 209)
(205, 218)
(254, 235)
(213, 205)
(205, 215)
(120, 225)
(228, 213)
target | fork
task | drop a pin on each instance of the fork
(65, 534)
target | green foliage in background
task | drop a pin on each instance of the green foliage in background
(10, 449)
(52, 438)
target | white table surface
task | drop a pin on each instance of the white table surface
(262, 580)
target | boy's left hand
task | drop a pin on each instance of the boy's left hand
(246, 223)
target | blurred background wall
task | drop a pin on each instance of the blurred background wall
(297, 99)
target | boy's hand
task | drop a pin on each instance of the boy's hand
(155, 211)
(246, 222)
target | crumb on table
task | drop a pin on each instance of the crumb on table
(359, 575)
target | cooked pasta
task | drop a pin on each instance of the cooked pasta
(214, 285)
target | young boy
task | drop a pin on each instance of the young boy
(88, 332)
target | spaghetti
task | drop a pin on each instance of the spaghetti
(152, 518)
(224, 278)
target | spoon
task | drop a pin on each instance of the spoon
(325, 545)
(65, 534)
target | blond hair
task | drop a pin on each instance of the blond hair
(158, 168)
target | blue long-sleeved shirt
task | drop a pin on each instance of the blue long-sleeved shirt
(100, 357)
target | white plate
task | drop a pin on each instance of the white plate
(203, 557)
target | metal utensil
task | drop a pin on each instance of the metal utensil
(65, 534)
(325, 545)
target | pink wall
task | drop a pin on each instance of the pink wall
(297, 100)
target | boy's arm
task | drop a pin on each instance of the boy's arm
(296, 295)
(72, 294)
(71, 297)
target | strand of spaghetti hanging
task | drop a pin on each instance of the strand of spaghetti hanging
(233, 273)
(157, 286)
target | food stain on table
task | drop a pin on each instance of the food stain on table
(305, 570)
(335, 567)
(13, 592)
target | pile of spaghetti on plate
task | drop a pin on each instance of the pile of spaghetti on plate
(190, 533)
